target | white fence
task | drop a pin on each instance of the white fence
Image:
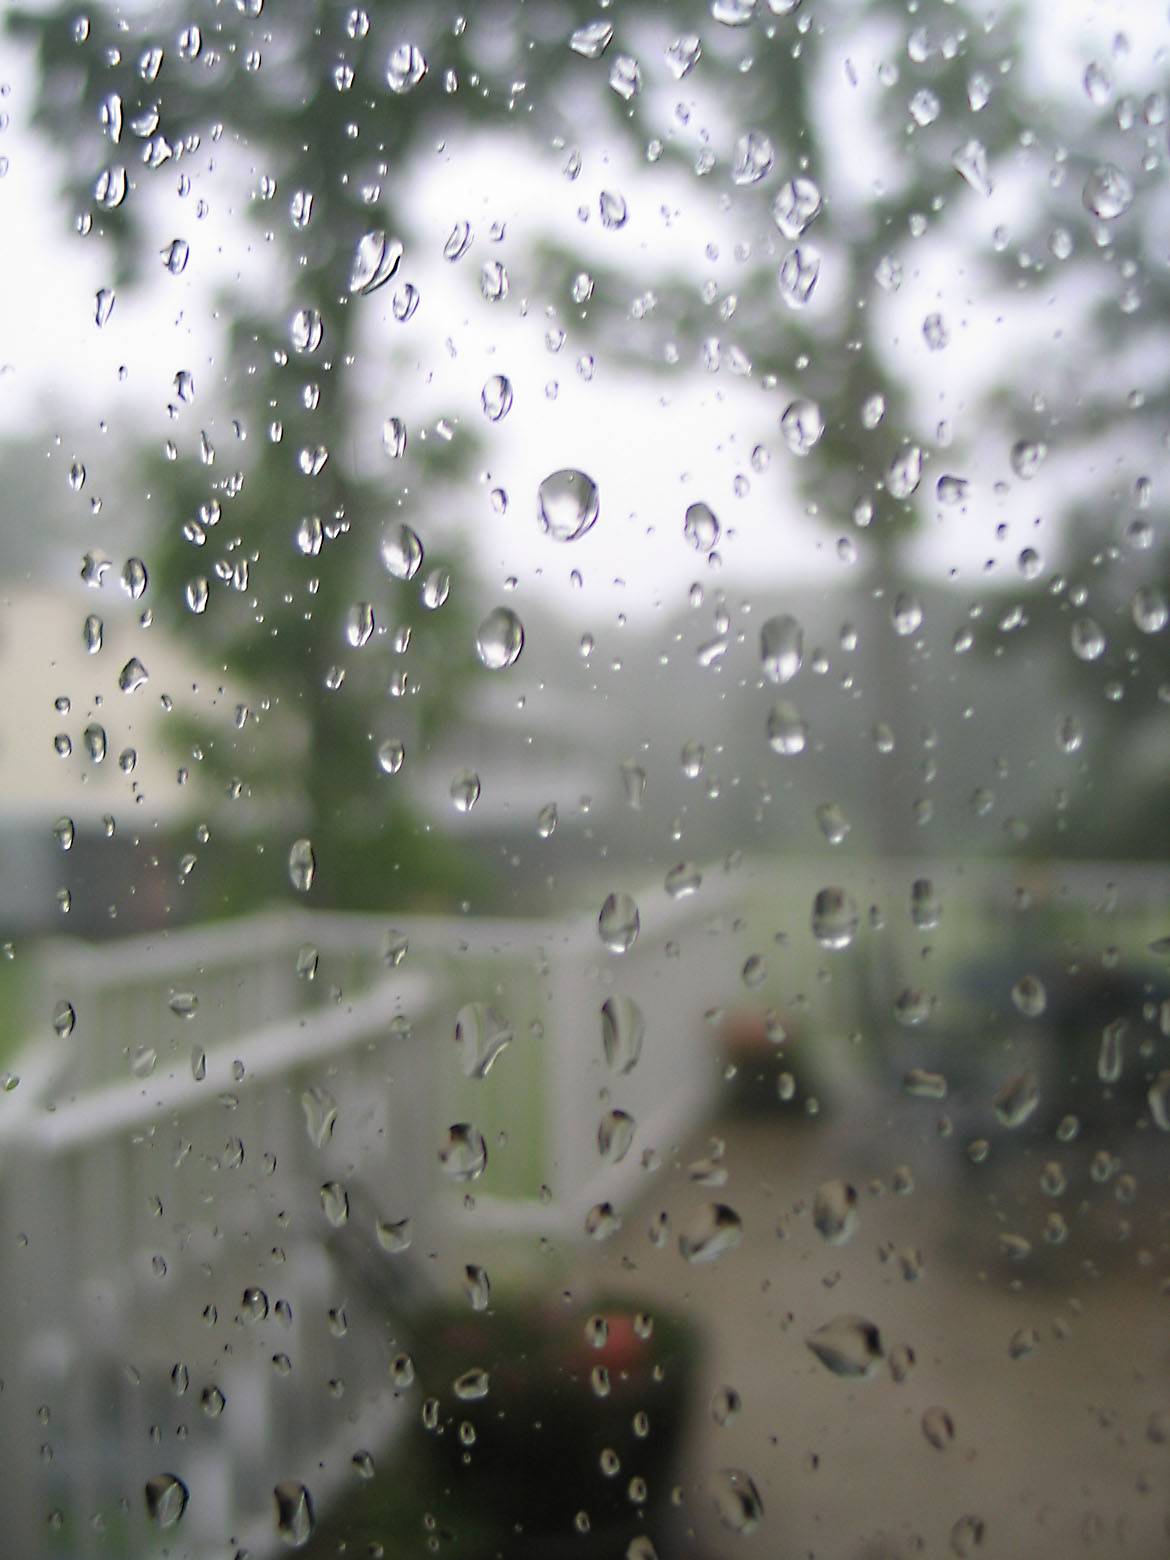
(143, 1194)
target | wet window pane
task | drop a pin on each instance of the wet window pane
(585, 916)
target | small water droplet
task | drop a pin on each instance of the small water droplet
(481, 1034)
(849, 1345)
(463, 1154)
(633, 783)
(1159, 1101)
(391, 756)
(394, 1235)
(925, 905)
(938, 1427)
(546, 820)
(133, 675)
(623, 1030)
(477, 1287)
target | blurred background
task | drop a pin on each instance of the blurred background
(584, 894)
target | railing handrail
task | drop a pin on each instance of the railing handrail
(270, 1050)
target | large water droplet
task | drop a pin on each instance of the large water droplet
(1150, 609)
(781, 648)
(481, 1033)
(849, 1345)
(567, 505)
(465, 789)
(683, 54)
(294, 1513)
(477, 1287)
(618, 923)
(622, 1031)
(320, 1110)
(133, 675)
(405, 68)
(797, 204)
(375, 261)
(592, 40)
(787, 729)
(970, 161)
(496, 397)
(500, 639)
(798, 274)
(1029, 996)
(394, 1235)
(1107, 193)
(712, 1230)
(306, 330)
(472, 1385)
(835, 919)
(1017, 1100)
(402, 553)
(683, 880)
(613, 208)
(166, 1499)
(1088, 639)
(754, 156)
(302, 864)
(835, 1214)
(802, 425)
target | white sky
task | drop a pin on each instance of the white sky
(652, 445)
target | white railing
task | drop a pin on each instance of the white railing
(131, 1204)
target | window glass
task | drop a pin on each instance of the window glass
(586, 936)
